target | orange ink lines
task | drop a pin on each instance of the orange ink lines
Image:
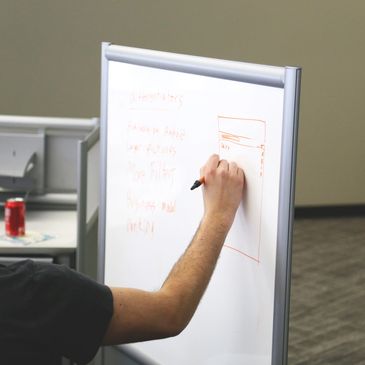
(243, 140)
(160, 171)
(232, 137)
(136, 173)
(242, 253)
(153, 144)
(155, 171)
(159, 100)
(150, 205)
(143, 128)
(152, 149)
(172, 133)
(142, 226)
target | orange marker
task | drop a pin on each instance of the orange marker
(197, 183)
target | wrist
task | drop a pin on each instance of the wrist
(219, 222)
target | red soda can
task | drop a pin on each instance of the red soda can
(15, 217)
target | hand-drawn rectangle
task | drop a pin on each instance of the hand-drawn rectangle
(243, 141)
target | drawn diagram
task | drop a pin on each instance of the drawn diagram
(243, 140)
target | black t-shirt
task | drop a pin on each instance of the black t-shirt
(48, 311)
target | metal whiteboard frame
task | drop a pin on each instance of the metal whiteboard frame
(287, 78)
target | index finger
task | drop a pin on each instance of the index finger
(211, 164)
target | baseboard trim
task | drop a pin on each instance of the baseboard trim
(351, 210)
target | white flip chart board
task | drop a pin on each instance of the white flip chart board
(163, 115)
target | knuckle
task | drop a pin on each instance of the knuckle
(223, 173)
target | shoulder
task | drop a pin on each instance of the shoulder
(60, 309)
(45, 281)
(17, 268)
(68, 281)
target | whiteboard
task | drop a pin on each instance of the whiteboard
(163, 115)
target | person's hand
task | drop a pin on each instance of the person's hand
(223, 190)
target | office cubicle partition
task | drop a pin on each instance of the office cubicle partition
(88, 203)
(40, 161)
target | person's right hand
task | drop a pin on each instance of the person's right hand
(223, 189)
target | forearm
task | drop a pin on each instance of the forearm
(190, 276)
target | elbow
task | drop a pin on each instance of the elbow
(175, 319)
(173, 326)
(178, 324)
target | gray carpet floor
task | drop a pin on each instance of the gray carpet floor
(327, 309)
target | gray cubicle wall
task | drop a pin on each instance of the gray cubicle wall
(53, 142)
(88, 203)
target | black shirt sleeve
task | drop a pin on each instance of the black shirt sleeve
(55, 309)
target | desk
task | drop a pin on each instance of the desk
(60, 225)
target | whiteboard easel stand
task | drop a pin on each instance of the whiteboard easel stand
(287, 78)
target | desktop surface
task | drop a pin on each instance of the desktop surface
(54, 232)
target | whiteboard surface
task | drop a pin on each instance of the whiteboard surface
(162, 126)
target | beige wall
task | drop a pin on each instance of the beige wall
(50, 62)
